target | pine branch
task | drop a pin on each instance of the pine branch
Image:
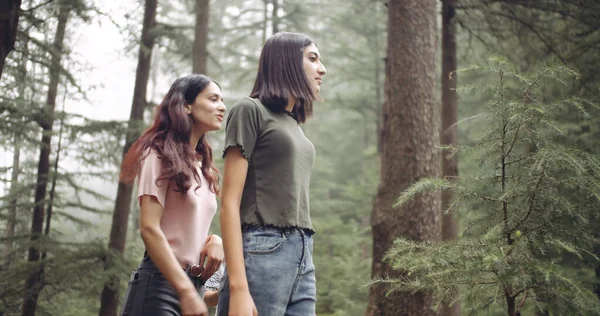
(36, 7)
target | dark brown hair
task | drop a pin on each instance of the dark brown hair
(169, 136)
(281, 75)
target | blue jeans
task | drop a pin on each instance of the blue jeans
(150, 294)
(280, 272)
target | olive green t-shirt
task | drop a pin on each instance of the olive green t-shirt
(280, 160)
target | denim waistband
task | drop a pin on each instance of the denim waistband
(288, 230)
(148, 264)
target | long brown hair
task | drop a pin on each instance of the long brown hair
(169, 136)
(281, 75)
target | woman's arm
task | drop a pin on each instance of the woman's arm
(234, 177)
(211, 256)
(163, 257)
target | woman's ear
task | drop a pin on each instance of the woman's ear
(188, 109)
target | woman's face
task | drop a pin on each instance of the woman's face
(208, 109)
(313, 67)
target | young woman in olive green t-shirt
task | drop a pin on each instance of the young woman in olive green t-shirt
(265, 218)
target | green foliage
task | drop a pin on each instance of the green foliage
(536, 201)
(73, 254)
(351, 36)
(344, 131)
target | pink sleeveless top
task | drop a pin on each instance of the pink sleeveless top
(186, 217)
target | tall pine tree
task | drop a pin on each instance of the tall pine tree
(34, 282)
(409, 137)
(118, 233)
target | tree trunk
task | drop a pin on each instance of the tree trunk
(52, 193)
(511, 305)
(9, 21)
(449, 118)
(201, 37)
(11, 221)
(118, 232)
(410, 135)
(379, 76)
(265, 20)
(597, 253)
(34, 282)
(275, 16)
(379, 107)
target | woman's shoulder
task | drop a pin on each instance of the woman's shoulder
(249, 108)
(151, 156)
(248, 103)
(150, 153)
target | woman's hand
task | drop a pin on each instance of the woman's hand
(211, 256)
(242, 304)
(191, 304)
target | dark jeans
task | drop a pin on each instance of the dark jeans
(150, 294)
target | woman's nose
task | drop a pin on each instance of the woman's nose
(322, 70)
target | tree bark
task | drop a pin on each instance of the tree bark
(448, 134)
(34, 282)
(410, 135)
(597, 269)
(9, 21)
(511, 305)
(118, 232)
(200, 51)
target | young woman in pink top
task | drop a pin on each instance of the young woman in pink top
(177, 189)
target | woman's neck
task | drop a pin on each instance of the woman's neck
(195, 137)
(290, 106)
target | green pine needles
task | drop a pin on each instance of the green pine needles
(528, 207)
